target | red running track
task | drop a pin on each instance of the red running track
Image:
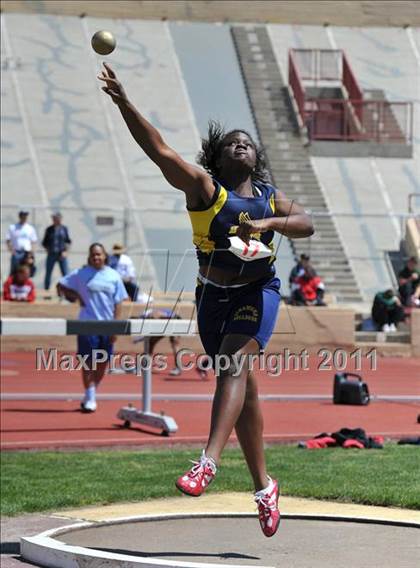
(31, 424)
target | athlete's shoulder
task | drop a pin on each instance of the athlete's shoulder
(217, 185)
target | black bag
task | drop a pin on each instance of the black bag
(350, 391)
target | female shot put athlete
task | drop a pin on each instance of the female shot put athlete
(234, 213)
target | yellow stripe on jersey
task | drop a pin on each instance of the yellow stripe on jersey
(201, 221)
(272, 204)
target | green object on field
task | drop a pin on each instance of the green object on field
(50, 481)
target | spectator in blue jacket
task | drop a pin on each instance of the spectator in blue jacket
(56, 242)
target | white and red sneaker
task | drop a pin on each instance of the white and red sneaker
(268, 512)
(198, 478)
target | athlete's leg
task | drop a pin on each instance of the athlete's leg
(88, 378)
(99, 372)
(249, 429)
(230, 393)
(174, 341)
(92, 377)
(85, 345)
(153, 341)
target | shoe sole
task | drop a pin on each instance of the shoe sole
(85, 410)
(186, 492)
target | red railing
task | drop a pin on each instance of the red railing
(354, 92)
(349, 118)
(352, 120)
(297, 86)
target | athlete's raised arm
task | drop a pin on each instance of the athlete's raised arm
(194, 182)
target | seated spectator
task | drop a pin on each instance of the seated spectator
(29, 260)
(307, 289)
(19, 287)
(409, 281)
(123, 264)
(300, 267)
(387, 311)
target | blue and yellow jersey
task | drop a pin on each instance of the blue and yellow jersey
(213, 226)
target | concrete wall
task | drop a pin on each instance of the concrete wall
(412, 238)
(296, 328)
(350, 13)
(300, 328)
(415, 334)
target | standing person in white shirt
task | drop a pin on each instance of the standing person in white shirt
(20, 239)
(123, 264)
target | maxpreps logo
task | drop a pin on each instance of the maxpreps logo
(248, 313)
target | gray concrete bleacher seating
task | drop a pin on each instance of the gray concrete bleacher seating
(85, 171)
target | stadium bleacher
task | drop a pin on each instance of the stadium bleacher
(66, 148)
(382, 58)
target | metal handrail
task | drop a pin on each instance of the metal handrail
(362, 113)
(182, 211)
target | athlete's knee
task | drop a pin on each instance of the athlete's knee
(231, 365)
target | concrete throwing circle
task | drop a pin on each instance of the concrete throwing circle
(236, 540)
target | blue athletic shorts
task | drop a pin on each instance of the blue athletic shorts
(248, 310)
(87, 343)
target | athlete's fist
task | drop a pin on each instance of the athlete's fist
(246, 229)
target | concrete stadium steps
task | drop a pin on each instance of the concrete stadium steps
(381, 337)
(288, 160)
(385, 64)
(68, 129)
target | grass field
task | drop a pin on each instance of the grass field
(49, 481)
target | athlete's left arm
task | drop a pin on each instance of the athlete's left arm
(290, 220)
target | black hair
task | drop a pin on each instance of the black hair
(100, 245)
(211, 148)
(19, 268)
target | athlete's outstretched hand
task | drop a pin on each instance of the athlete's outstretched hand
(113, 87)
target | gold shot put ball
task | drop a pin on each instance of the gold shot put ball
(103, 42)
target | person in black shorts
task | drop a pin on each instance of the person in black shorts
(234, 212)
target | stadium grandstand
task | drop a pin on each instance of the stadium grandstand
(65, 148)
(331, 92)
